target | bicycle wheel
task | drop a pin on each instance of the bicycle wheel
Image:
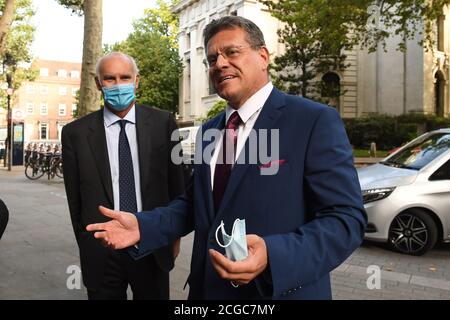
(59, 169)
(33, 171)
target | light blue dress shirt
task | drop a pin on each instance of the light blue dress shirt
(112, 131)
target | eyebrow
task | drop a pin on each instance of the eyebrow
(225, 48)
(110, 76)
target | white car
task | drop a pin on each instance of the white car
(407, 195)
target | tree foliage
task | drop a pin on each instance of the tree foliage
(75, 5)
(154, 46)
(316, 33)
(215, 110)
(16, 55)
(6, 20)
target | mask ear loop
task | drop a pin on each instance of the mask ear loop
(221, 226)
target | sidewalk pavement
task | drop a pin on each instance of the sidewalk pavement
(38, 247)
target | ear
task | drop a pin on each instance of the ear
(98, 84)
(136, 83)
(265, 57)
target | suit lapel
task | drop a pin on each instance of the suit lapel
(218, 124)
(266, 120)
(97, 144)
(143, 134)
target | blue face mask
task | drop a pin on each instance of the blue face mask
(236, 244)
(120, 96)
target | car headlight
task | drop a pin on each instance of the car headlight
(371, 195)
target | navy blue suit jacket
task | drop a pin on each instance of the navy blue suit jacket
(310, 213)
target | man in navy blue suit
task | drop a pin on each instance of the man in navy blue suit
(301, 222)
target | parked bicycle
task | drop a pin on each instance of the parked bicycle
(43, 159)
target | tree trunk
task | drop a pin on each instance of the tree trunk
(92, 50)
(5, 23)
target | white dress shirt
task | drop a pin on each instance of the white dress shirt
(112, 131)
(249, 113)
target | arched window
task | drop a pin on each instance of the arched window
(331, 89)
(439, 94)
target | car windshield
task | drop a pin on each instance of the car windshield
(422, 152)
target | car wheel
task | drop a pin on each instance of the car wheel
(413, 232)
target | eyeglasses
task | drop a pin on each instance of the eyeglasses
(228, 53)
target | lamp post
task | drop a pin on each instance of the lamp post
(9, 146)
(9, 66)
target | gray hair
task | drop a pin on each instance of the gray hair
(120, 54)
(254, 35)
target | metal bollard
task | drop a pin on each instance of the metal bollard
(373, 150)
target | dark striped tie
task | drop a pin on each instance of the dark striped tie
(127, 188)
(226, 158)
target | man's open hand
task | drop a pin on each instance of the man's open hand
(119, 233)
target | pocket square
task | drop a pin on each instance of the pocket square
(272, 163)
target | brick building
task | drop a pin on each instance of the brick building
(47, 104)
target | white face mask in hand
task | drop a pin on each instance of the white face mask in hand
(236, 244)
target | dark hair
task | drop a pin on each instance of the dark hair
(254, 35)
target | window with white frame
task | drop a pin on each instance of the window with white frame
(30, 108)
(187, 87)
(43, 72)
(43, 131)
(44, 109)
(440, 33)
(74, 91)
(75, 74)
(62, 109)
(44, 89)
(62, 73)
(74, 107)
(62, 91)
(188, 41)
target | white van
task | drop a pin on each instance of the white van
(187, 138)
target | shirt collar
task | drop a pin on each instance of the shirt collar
(110, 118)
(252, 105)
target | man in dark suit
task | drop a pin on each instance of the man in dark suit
(4, 216)
(118, 157)
(303, 207)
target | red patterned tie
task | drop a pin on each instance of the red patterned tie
(226, 158)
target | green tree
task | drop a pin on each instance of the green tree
(89, 99)
(16, 36)
(316, 33)
(218, 107)
(16, 54)
(154, 46)
(5, 21)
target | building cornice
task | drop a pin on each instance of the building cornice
(183, 4)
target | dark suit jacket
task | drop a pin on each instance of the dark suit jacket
(88, 184)
(4, 215)
(310, 213)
